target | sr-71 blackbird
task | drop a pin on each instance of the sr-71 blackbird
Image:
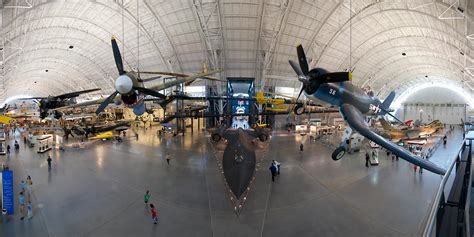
(239, 157)
(354, 105)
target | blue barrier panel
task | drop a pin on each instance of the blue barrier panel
(7, 191)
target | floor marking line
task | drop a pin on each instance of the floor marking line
(266, 208)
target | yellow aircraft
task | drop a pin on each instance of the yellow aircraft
(261, 99)
(7, 120)
(104, 135)
(279, 104)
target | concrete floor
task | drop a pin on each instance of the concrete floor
(98, 191)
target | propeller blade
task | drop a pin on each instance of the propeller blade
(117, 56)
(150, 92)
(302, 60)
(336, 77)
(301, 91)
(106, 102)
(296, 67)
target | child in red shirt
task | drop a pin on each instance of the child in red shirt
(154, 216)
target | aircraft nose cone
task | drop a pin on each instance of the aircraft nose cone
(123, 84)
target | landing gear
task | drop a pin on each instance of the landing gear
(299, 109)
(338, 153)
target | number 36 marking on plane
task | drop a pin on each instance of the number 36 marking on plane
(332, 92)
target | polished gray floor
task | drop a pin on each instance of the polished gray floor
(98, 191)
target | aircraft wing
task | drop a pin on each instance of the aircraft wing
(173, 74)
(411, 134)
(356, 120)
(83, 104)
(76, 93)
(178, 81)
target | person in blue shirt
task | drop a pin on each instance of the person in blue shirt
(22, 186)
(273, 170)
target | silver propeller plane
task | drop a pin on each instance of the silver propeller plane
(354, 105)
(130, 89)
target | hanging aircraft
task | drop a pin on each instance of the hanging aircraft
(52, 102)
(397, 134)
(337, 89)
(129, 86)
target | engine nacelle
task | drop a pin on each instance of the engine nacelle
(216, 137)
(130, 99)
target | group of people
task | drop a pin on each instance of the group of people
(154, 214)
(25, 194)
(275, 169)
(16, 145)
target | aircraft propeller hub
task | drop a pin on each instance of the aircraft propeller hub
(124, 84)
(302, 78)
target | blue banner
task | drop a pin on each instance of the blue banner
(7, 191)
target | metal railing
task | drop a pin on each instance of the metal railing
(432, 217)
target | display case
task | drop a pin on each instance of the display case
(45, 143)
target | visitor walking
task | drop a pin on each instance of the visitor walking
(8, 149)
(273, 170)
(21, 202)
(445, 139)
(154, 215)
(29, 210)
(168, 158)
(277, 165)
(367, 158)
(49, 162)
(146, 197)
(22, 186)
(301, 147)
(29, 184)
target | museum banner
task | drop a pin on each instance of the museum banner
(7, 191)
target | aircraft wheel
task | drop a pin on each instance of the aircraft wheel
(299, 109)
(338, 153)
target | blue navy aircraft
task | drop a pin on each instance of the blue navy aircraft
(354, 104)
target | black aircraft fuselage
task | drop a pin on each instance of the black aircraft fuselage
(239, 161)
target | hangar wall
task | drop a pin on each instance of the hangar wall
(427, 112)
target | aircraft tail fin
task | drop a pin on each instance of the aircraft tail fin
(388, 101)
(385, 124)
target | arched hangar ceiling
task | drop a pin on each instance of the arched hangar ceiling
(389, 45)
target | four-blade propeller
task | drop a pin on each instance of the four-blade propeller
(124, 84)
(313, 78)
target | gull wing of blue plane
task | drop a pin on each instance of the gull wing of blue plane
(356, 120)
